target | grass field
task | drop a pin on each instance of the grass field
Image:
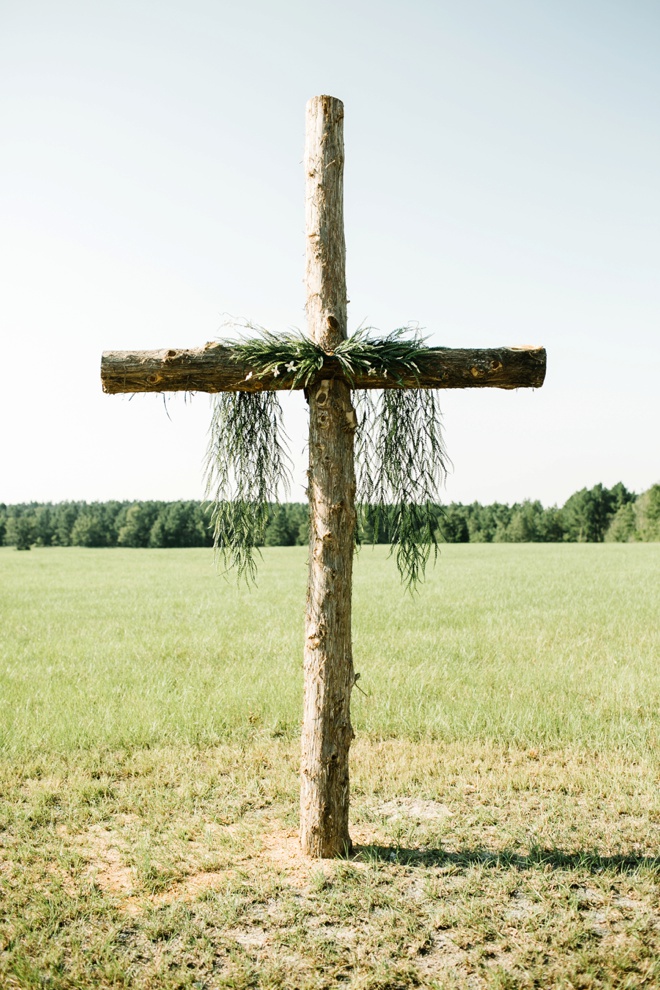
(506, 808)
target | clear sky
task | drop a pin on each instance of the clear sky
(501, 187)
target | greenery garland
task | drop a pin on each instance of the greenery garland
(400, 456)
(297, 359)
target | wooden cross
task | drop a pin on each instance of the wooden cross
(328, 664)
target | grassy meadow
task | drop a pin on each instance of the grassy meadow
(506, 808)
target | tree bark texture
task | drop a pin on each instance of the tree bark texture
(211, 369)
(328, 659)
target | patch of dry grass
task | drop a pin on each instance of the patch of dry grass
(474, 866)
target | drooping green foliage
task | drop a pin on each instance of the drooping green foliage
(401, 460)
(247, 467)
(401, 464)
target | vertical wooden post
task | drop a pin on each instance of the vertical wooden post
(328, 661)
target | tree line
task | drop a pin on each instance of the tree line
(589, 516)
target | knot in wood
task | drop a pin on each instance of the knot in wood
(321, 396)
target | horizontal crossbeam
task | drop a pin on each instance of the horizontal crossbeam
(212, 369)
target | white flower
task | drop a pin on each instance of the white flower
(372, 371)
(276, 371)
(384, 372)
(291, 366)
(248, 376)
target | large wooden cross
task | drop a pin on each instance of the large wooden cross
(328, 663)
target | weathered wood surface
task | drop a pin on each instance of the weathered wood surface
(328, 658)
(211, 369)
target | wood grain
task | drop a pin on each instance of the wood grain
(212, 369)
(328, 658)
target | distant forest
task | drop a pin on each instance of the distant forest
(589, 516)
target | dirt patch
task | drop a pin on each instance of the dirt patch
(442, 959)
(414, 809)
(282, 850)
(249, 938)
(192, 887)
(522, 907)
(102, 849)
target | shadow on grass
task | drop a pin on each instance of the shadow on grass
(590, 861)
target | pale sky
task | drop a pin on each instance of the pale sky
(501, 187)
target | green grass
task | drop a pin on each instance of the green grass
(506, 807)
(527, 644)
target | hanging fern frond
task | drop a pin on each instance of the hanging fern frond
(401, 464)
(247, 468)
